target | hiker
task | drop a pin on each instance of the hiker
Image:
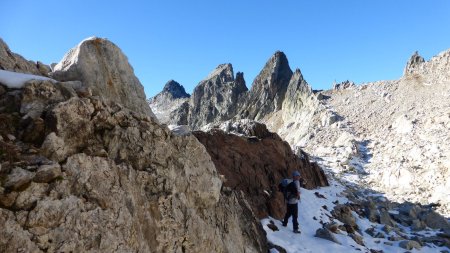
(292, 198)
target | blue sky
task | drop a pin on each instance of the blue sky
(185, 40)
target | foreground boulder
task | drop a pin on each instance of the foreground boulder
(254, 160)
(100, 65)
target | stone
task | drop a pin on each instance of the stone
(385, 218)
(409, 245)
(43, 68)
(18, 179)
(358, 239)
(410, 209)
(47, 173)
(273, 227)
(344, 85)
(388, 229)
(327, 235)
(37, 94)
(11, 137)
(418, 225)
(435, 221)
(100, 65)
(343, 214)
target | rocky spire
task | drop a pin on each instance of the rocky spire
(415, 61)
(268, 88)
(175, 89)
(216, 97)
(297, 95)
(101, 66)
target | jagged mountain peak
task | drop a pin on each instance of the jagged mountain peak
(269, 88)
(223, 71)
(175, 89)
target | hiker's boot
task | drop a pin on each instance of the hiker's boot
(297, 231)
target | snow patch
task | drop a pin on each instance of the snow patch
(15, 80)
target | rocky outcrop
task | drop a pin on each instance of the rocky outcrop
(102, 67)
(171, 105)
(80, 173)
(414, 64)
(216, 98)
(344, 85)
(254, 160)
(268, 89)
(15, 62)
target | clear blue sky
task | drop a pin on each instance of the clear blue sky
(360, 40)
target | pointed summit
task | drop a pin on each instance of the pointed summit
(175, 89)
(415, 61)
(269, 87)
(224, 72)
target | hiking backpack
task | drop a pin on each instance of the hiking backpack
(288, 188)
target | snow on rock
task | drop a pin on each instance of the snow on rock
(14, 80)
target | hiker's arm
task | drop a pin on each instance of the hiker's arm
(297, 184)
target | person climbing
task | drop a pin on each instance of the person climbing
(292, 198)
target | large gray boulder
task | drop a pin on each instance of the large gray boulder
(216, 98)
(100, 65)
(268, 89)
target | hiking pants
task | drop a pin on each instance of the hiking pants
(292, 210)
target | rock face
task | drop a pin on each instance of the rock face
(83, 173)
(268, 88)
(14, 62)
(171, 105)
(101, 66)
(215, 99)
(254, 160)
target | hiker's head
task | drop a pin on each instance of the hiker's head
(296, 174)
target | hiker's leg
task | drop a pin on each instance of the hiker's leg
(287, 215)
(295, 216)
